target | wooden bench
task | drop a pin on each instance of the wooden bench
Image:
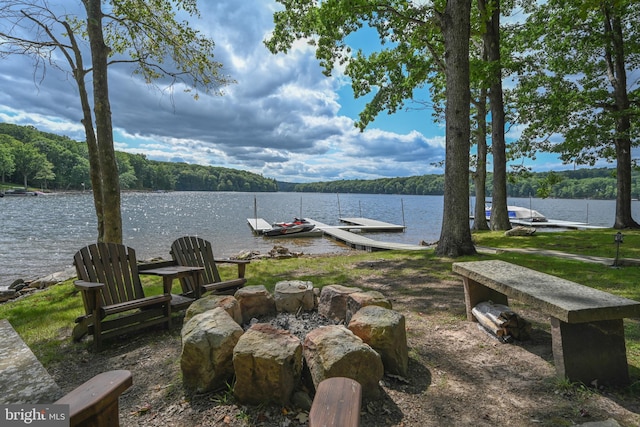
(336, 404)
(587, 327)
(25, 381)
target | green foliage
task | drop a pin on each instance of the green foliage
(579, 184)
(571, 79)
(70, 168)
(546, 185)
(150, 35)
(57, 162)
(410, 54)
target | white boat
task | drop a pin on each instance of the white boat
(296, 227)
(520, 214)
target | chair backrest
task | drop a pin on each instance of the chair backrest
(196, 252)
(114, 265)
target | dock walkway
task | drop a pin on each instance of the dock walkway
(358, 241)
(555, 223)
(341, 234)
(366, 224)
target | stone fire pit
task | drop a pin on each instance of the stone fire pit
(271, 343)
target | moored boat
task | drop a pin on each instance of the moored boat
(18, 192)
(298, 225)
(520, 214)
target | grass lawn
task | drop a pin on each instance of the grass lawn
(45, 319)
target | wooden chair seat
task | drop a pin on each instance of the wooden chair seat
(133, 305)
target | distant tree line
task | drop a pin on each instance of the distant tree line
(597, 183)
(53, 162)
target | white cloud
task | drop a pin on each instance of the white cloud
(281, 119)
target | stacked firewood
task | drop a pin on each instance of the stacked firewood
(501, 322)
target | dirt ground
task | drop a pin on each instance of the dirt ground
(459, 375)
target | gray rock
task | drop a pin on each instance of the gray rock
(520, 231)
(384, 330)
(255, 301)
(358, 300)
(7, 293)
(293, 295)
(333, 301)
(209, 302)
(53, 279)
(268, 365)
(208, 340)
(335, 351)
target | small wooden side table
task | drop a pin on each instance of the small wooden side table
(169, 274)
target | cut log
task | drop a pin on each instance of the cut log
(501, 321)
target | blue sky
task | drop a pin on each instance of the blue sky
(283, 119)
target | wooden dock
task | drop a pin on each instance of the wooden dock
(342, 234)
(366, 224)
(357, 241)
(258, 225)
(555, 223)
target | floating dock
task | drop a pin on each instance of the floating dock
(555, 223)
(342, 234)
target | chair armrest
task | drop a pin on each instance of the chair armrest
(88, 286)
(96, 401)
(241, 263)
(231, 261)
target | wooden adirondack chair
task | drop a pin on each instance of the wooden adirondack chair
(112, 293)
(196, 252)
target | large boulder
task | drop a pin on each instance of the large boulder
(7, 293)
(384, 330)
(358, 300)
(333, 301)
(209, 302)
(268, 365)
(208, 340)
(294, 295)
(255, 301)
(520, 231)
(334, 351)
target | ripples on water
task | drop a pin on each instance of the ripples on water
(39, 235)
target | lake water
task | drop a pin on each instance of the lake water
(39, 235)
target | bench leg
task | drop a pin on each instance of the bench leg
(585, 352)
(475, 293)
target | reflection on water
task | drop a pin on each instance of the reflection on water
(39, 235)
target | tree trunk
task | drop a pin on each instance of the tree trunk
(618, 76)
(112, 218)
(455, 237)
(490, 9)
(480, 176)
(92, 144)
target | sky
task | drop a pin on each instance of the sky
(283, 118)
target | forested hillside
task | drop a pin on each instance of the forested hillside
(53, 162)
(577, 184)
